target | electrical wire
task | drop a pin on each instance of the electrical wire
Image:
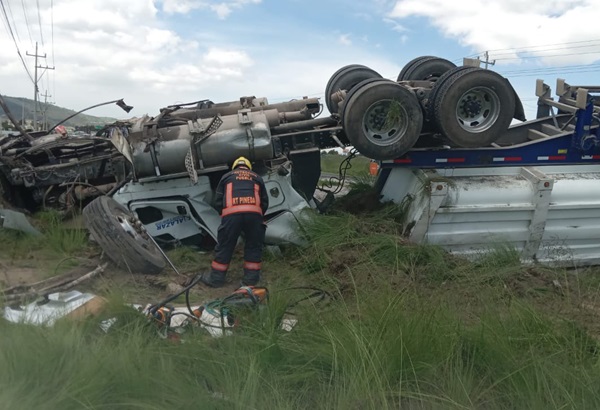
(13, 20)
(27, 21)
(546, 69)
(525, 48)
(550, 56)
(555, 72)
(496, 55)
(340, 179)
(15, 41)
(52, 34)
(40, 21)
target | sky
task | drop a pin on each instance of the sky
(154, 53)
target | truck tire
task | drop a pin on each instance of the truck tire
(349, 94)
(425, 68)
(109, 225)
(473, 107)
(344, 79)
(382, 119)
(439, 84)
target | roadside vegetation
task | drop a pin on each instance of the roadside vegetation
(331, 160)
(406, 327)
(61, 246)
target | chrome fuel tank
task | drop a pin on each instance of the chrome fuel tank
(172, 149)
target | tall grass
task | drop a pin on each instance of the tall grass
(68, 240)
(380, 350)
(58, 248)
(408, 327)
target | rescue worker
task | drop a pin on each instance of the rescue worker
(242, 201)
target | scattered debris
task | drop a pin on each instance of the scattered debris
(10, 219)
(43, 288)
(40, 170)
(72, 305)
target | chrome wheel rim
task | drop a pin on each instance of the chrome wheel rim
(478, 109)
(383, 127)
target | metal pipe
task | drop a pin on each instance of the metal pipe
(120, 103)
(311, 105)
(304, 125)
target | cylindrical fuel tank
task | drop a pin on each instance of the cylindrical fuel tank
(249, 137)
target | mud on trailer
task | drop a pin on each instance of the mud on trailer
(433, 109)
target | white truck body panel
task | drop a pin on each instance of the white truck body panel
(551, 214)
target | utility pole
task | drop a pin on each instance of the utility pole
(487, 60)
(35, 82)
(45, 95)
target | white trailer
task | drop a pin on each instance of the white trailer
(537, 189)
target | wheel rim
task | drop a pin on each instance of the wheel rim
(133, 228)
(478, 109)
(384, 122)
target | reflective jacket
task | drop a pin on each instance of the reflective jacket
(241, 191)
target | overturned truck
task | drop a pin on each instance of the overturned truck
(177, 157)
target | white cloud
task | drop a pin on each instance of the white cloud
(222, 58)
(222, 8)
(395, 25)
(107, 49)
(344, 39)
(509, 24)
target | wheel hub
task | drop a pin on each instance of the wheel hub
(471, 107)
(384, 121)
(133, 227)
(478, 109)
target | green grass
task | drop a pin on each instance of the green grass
(381, 349)
(409, 327)
(331, 164)
(58, 249)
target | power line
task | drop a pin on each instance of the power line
(24, 8)
(557, 72)
(550, 56)
(52, 27)
(15, 41)
(40, 21)
(12, 17)
(545, 50)
(26, 20)
(541, 45)
(571, 68)
(532, 49)
(52, 31)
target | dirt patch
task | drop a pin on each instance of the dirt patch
(11, 275)
(359, 201)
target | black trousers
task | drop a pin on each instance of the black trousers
(253, 228)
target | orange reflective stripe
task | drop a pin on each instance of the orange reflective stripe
(241, 208)
(219, 266)
(257, 195)
(229, 195)
(252, 265)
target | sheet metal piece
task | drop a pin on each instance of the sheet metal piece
(10, 219)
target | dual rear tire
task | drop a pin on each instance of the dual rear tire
(470, 106)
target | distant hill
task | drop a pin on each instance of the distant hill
(24, 107)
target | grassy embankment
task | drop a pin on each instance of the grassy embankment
(409, 327)
(61, 247)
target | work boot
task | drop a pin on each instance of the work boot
(213, 279)
(250, 278)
